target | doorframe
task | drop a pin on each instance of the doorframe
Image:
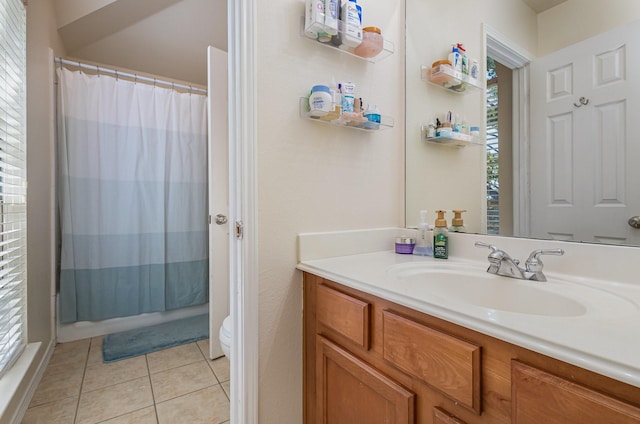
(243, 272)
(505, 51)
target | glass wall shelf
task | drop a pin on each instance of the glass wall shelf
(387, 46)
(351, 120)
(451, 138)
(452, 81)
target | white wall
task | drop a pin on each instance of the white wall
(577, 20)
(313, 177)
(443, 177)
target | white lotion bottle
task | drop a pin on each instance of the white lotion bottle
(331, 14)
(424, 243)
(352, 24)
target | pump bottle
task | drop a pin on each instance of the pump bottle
(455, 58)
(352, 19)
(457, 223)
(423, 245)
(441, 237)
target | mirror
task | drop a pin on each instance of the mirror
(543, 180)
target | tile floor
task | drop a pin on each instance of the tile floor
(177, 385)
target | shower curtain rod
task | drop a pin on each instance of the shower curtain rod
(135, 77)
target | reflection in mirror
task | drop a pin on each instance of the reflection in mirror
(557, 166)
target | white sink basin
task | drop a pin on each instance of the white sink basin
(461, 283)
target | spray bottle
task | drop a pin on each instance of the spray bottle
(441, 237)
(423, 245)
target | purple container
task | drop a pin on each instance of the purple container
(405, 245)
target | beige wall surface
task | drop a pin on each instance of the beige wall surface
(315, 177)
(42, 36)
(440, 177)
(577, 20)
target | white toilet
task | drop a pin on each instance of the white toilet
(225, 336)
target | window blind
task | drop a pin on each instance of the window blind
(13, 186)
(493, 171)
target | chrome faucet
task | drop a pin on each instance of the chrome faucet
(501, 263)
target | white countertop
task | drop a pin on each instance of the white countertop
(606, 343)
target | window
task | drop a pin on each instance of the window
(493, 186)
(13, 186)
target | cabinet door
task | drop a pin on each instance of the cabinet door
(350, 391)
(540, 397)
(440, 416)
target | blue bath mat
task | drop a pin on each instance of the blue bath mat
(139, 341)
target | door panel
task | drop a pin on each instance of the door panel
(584, 183)
(217, 108)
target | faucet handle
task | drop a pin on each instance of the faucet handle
(496, 254)
(534, 263)
(487, 245)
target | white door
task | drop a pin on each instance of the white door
(218, 195)
(585, 147)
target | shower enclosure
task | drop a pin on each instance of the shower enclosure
(134, 193)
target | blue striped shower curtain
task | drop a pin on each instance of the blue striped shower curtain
(132, 196)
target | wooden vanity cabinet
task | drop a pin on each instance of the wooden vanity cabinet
(541, 397)
(369, 360)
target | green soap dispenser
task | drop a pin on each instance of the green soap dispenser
(441, 237)
(457, 223)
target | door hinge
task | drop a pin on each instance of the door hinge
(239, 230)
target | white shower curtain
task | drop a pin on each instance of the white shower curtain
(132, 197)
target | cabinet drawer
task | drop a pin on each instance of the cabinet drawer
(348, 316)
(540, 397)
(444, 362)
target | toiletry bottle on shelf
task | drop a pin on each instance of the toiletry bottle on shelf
(314, 18)
(352, 24)
(423, 245)
(331, 16)
(457, 223)
(372, 114)
(464, 60)
(455, 59)
(348, 90)
(441, 237)
(330, 22)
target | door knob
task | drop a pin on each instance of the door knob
(221, 219)
(634, 221)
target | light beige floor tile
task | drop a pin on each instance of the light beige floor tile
(174, 357)
(179, 381)
(62, 384)
(204, 347)
(68, 357)
(226, 386)
(102, 375)
(143, 416)
(95, 351)
(70, 352)
(208, 406)
(114, 401)
(220, 367)
(58, 412)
